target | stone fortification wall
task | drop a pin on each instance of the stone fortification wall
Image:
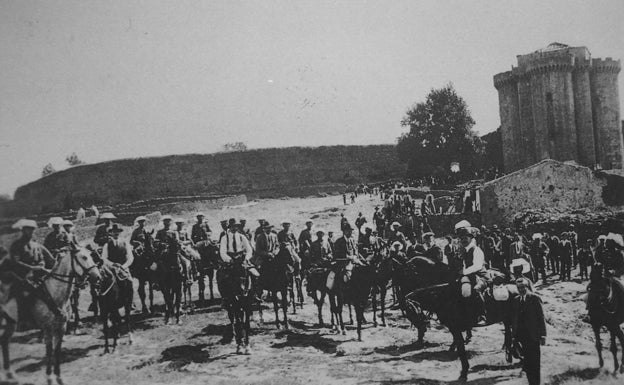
(265, 172)
(546, 185)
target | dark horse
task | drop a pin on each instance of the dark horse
(316, 278)
(141, 269)
(235, 285)
(276, 276)
(208, 263)
(459, 314)
(605, 304)
(352, 285)
(383, 271)
(116, 293)
(169, 277)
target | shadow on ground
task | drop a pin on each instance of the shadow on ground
(315, 340)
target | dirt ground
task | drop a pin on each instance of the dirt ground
(201, 351)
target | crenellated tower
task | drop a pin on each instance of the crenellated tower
(558, 103)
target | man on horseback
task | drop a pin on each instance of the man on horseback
(117, 252)
(72, 241)
(140, 238)
(102, 234)
(320, 251)
(200, 232)
(234, 245)
(396, 235)
(267, 246)
(287, 239)
(473, 271)
(305, 241)
(432, 251)
(614, 257)
(57, 239)
(27, 265)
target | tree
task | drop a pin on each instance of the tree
(440, 132)
(235, 146)
(73, 160)
(493, 150)
(47, 170)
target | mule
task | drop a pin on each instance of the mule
(116, 293)
(70, 265)
(169, 278)
(235, 285)
(605, 305)
(208, 264)
(276, 277)
(142, 270)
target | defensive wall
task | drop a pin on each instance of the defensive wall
(292, 171)
(549, 185)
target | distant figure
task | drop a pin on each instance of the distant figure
(95, 210)
(352, 198)
(344, 198)
(81, 214)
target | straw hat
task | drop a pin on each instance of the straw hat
(55, 221)
(24, 223)
(108, 216)
(397, 243)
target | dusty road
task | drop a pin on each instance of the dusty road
(200, 351)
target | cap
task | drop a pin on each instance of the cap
(67, 222)
(140, 218)
(200, 214)
(108, 216)
(394, 224)
(466, 231)
(55, 221)
(25, 223)
(180, 220)
(166, 218)
(397, 243)
(286, 221)
(463, 223)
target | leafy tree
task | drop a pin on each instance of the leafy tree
(48, 169)
(493, 150)
(235, 146)
(440, 132)
(73, 160)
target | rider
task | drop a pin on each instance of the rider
(140, 237)
(201, 231)
(267, 245)
(184, 240)
(29, 262)
(614, 261)
(345, 251)
(320, 251)
(473, 265)
(57, 239)
(102, 234)
(286, 238)
(432, 250)
(305, 241)
(234, 244)
(72, 241)
(117, 251)
(396, 235)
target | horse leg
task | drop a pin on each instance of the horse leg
(5, 339)
(620, 335)
(168, 302)
(285, 307)
(359, 317)
(507, 343)
(141, 290)
(201, 285)
(127, 310)
(291, 294)
(210, 278)
(49, 355)
(468, 337)
(247, 324)
(151, 295)
(350, 312)
(104, 319)
(383, 304)
(116, 318)
(461, 352)
(374, 300)
(178, 298)
(238, 328)
(614, 350)
(58, 341)
(299, 282)
(598, 344)
(275, 308)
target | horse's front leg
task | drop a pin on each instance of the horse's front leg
(141, 290)
(383, 304)
(5, 339)
(276, 309)
(49, 355)
(58, 341)
(461, 352)
(598, 344)
(374, 300)
(614, 351)
(178, 299)
(285, 308)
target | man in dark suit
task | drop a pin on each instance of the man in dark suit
(529, 329)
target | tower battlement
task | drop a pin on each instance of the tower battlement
(606, 65)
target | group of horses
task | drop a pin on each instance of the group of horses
(421, 288)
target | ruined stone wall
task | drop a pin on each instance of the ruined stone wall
(263, 172)
(546, 185)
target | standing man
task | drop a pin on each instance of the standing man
(529, 329)
(359, 221)
(102, 234)
(396, 235)
(200, 232)
(585, 259)
(380, 221)
(539, 250)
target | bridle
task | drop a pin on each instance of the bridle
(69, 278)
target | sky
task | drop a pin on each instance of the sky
(126, 79)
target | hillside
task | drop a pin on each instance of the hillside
(291, 171)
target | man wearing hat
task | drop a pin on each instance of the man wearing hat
(345, 247)
(305, 241)
(614, 261)
(57, 239)
(585, 259)
(181, 235)
(102, 233)
(118, 253)
(320, 251)
(166, 235)
(600, 253)
(234, 244)
(380, 221)
(395, 235)
(260, 229)
(473, 265)
(267, 245)
(368, 244)
(68, 227)
(359, 221)
(432, 250)
(397, 253)
(242, 228)
(286, 236)
(224, 227)
(29, 262)
(140, 238)
(200, 232)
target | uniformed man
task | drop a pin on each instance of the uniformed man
(102, 234)
(200, 232)
(395, 235)
(345, 247)
(234, 245)
(117, 251)
(538, 251)
(368, 244)
(57, 239)
(29, 262)
(380, 221)
(242, 228)
(359, 221)
(181, 235)
(286, 235)
(305, 237)
(68, 227)
(140, 238)
(320, 251)
(224, 228)
(585, 259)
(166, 234)
(260, 229)
(267, 246)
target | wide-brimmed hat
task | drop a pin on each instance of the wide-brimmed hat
(319, 231)
(309, 221)
(467, 231)
(347, 226)
(287, 221)
(115, 229)
(25, 223)
(397, 243)
(166, 218)
(179, 220)
(602, 236)
(108, 216)
(462, 224)
(428, 234)
(200, 214)
(67, 222)
(366, 226)
(395, 224)
(55, 221)
(266, 225)
(526, 266)
(140, 218)
(537, 236)
(617, 238)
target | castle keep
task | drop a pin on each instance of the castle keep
(561, 104)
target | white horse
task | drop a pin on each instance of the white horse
(70, 265)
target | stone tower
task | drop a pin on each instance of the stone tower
(558, 103)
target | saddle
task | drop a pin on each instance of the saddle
(118, 272)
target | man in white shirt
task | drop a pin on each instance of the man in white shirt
(474, 269)
(234, 244)
(117, 251)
